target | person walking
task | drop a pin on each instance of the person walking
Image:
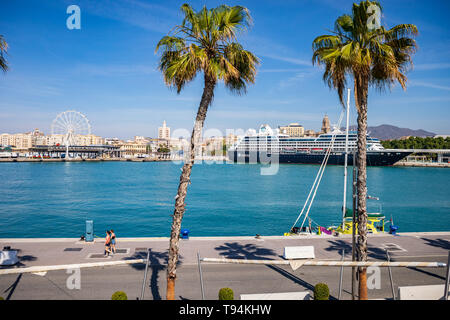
(113, 240)
(108, 243)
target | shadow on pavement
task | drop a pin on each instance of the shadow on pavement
(13, 287)
(428, 273)
(158, 262)
(295, 279)
(235, 250)
(439, 243)
(372, 252)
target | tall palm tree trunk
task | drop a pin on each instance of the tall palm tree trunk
(361, 92)
(207, 97)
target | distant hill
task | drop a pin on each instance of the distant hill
(388, 132)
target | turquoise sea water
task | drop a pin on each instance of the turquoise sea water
(137, 199)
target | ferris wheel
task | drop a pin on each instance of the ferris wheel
(71, 124)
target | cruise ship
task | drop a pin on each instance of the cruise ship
(269, 146)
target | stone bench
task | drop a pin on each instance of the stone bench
(295, 253)
(434, 292)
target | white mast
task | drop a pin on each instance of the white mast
(344, 204)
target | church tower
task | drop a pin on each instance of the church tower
(326, 128)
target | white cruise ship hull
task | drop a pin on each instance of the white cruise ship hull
(374, 158)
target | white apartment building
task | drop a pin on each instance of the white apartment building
(89, 140)
(141, 140)
(19, 140)
(164, 132)
(5, 139)
(28, 140)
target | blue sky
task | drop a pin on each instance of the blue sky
(108, 69)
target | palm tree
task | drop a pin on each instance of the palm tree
(371, 57)
(206, 41)
(3, 50)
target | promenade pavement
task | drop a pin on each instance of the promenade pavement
(101, 282)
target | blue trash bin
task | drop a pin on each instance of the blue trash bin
(184, 234)
(393, 229)
(89, 230)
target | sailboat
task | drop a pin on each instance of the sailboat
(375, 221)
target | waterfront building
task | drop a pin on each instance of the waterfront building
(113, 141)
(39, 140)
(132, 148)
(310, 133)
(89, 140)
(54, 140)
(4, 139)
(164, 132)
(37, 133)
(141, 140)
(293, 130)
(18, 140)
(178, 144)
(213, 146)
(231, 139)
(28, 140)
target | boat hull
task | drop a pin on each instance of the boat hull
(374, 158)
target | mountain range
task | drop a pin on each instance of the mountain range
(389, 132)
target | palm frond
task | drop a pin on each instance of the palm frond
(3, 51)
(206, 41)
(381, 56)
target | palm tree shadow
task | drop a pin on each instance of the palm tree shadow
(339, 245)
(439, 243)
(158, 263)
(13, 287)
(295, 279)
(252, 252)
(236, 250)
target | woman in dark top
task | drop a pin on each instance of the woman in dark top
(113, 240)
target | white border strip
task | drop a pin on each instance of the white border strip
(69, 266)
(330, 263)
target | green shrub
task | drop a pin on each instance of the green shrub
(226, 294)
(119, 295)
(321, 292)
(1, 298)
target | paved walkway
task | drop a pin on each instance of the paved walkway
(42, 252)
(99, 283)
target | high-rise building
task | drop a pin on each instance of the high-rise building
(326, 128)
(293, 130)
(164, 132)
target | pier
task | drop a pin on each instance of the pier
(126, 267)
(86, 152)
(438, 158)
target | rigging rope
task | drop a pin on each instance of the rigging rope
(319, 175)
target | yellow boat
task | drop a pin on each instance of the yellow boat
(375, 223)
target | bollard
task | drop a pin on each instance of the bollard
(89, 230)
